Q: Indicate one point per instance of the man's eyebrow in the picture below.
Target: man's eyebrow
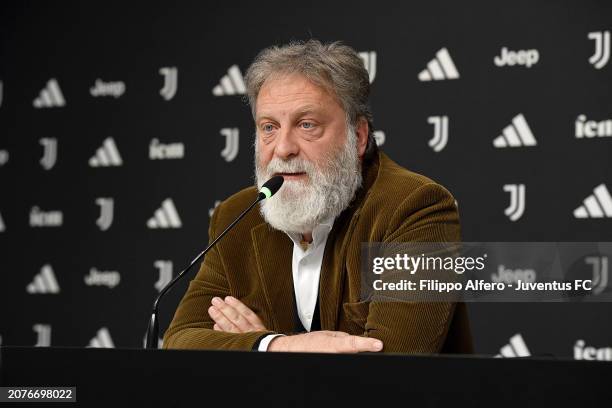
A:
(301, 111)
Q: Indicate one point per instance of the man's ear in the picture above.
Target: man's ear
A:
(363, 129)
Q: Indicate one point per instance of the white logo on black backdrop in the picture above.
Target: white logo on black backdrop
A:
(49, 157)
(102, 88)
(379, 137)
(512, 276)
(230, 84)
(369, 61)
(440, 137)
(170, 82)
(583, 352)
(510, 58)
(40, 218)
(165, 217)
(102, 278)
(440, 68)
(105, 219)
(230, 151)
(4, 157)
(212, 210)
(516, 134)
(516, 348)
(2, 226)
(165, 273)
(106, 155)
(50, 96)
(600, 272)
(162, 151)
(596, 205)
(43, 335)
(602, 48)
(592, 128)
(44, 282)
(517, 201)
(102, 339)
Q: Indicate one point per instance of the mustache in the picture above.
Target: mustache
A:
(296, 165)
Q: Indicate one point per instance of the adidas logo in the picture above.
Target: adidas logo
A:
(44, 282)
(102, 339)
(230, 84)
(516, 134)
(50, 96)
(597, 205)
(369, 61)
(106, 155)
(516, 348)
(440, 68)
(2, 226)
(165, 217)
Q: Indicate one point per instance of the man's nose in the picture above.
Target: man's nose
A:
(286, 145)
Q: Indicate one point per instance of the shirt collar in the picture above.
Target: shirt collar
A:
(319, 234)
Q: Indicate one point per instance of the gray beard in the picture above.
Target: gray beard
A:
(299, 206)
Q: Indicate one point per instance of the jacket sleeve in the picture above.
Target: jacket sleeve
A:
(192, 327)
(428, 214)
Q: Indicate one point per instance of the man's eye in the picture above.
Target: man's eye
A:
(267, 128)
(307, 125)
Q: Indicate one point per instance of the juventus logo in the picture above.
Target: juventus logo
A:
(43, 335)
(49, 157)
(212, 210)
(600, 272)
(105, 219)
(165, 273)
(230, 151)
(517, 201)
(369, 61)
(602, 48)
(379, 137)
(170, 82)
(440, 138)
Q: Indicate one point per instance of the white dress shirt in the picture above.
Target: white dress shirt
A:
(306, 269)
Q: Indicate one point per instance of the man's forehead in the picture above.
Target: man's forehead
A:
(292, 94)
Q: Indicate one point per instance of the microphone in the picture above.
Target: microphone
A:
(269, 188)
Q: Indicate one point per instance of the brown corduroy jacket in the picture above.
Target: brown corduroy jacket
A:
(253, 263)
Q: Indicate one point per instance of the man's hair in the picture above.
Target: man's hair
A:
(333, 66)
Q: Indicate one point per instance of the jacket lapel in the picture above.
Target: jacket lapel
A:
(273, 254)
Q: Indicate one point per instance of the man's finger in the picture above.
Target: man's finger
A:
(358, 344)
(246, 312)
(232, 315)
(223, 322)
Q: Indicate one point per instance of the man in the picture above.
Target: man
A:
(287, 278)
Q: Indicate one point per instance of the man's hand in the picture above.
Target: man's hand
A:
(231, 315)
(325, 342)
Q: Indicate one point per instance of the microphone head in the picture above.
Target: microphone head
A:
(270, 187)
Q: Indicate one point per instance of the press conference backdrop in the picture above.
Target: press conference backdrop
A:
(122, 127)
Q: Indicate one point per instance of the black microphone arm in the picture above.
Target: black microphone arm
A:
(269, 188)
